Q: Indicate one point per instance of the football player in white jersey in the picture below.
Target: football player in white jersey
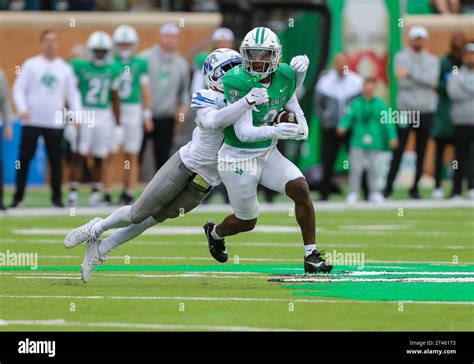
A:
(188, 176)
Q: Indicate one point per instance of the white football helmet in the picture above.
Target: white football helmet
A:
(261, 51)
(217, 63)
(125, 35)
(99, 44)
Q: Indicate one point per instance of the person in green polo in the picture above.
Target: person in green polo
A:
(372, 133)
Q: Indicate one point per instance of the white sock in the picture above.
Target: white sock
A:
(124, 234)
(117, 219)
(214, 234)
(308, 249)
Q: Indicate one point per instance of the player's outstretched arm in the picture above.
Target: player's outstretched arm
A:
(211, 118)
(300, 65)
(293, 105)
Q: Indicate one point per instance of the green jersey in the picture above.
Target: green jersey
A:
(95, 83)
(132, 75)
(237, 83)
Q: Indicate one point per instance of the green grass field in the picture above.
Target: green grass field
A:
(414, 272)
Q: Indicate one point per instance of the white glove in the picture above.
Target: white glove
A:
(300, 63)
(285, 131)
(256, 96)
(303, 130)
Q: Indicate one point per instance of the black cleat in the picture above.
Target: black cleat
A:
(216, 247)
(315, 263)
(414, 194)
(106, 200)
(57, 203)
(126, 199)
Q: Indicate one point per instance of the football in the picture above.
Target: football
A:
(285, 116)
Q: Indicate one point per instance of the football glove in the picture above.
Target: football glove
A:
(256, 96)
(300, 63)
(285, 131)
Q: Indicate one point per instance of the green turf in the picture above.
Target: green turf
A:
(171, 282)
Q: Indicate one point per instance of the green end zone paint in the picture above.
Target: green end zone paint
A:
(374, 282)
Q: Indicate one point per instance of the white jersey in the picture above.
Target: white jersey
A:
(42, 88)
(200, 154)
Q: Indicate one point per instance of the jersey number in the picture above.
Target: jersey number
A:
(98, 91)
(125, 87)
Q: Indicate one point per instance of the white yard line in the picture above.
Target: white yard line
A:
(140, 275)
(231, 299)
(407, 280)
(132, 325)
(264, 207)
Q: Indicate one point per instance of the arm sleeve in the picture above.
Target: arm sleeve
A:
(429, 77)
(300, 77)
(19, 88)
(212, 118)
(73, 94)
(246, 132)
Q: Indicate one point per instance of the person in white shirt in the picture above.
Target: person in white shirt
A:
(334, 92)
(40, 92)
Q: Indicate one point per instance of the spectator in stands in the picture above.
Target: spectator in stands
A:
(221, 38)
(40, 92)
(461, 92)
(417, 72)
(170, 75)
(443, 131)
(372, 133)
(5, 126)
(334, 91)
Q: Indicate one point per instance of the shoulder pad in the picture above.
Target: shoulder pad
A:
(237, 78)
(287, 71)
(206, 98)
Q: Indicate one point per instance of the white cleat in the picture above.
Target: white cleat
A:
(471, 193)
(95, 199)
(73, 200)
(352, 198)
(91, 260)
(376, 198)
(437, 194)
(456, 198)
(81, 234)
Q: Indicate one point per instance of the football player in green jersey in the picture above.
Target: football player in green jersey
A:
(98, 84)
(245, 161)
(135, 109)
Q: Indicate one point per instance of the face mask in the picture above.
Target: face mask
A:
(125, 54)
